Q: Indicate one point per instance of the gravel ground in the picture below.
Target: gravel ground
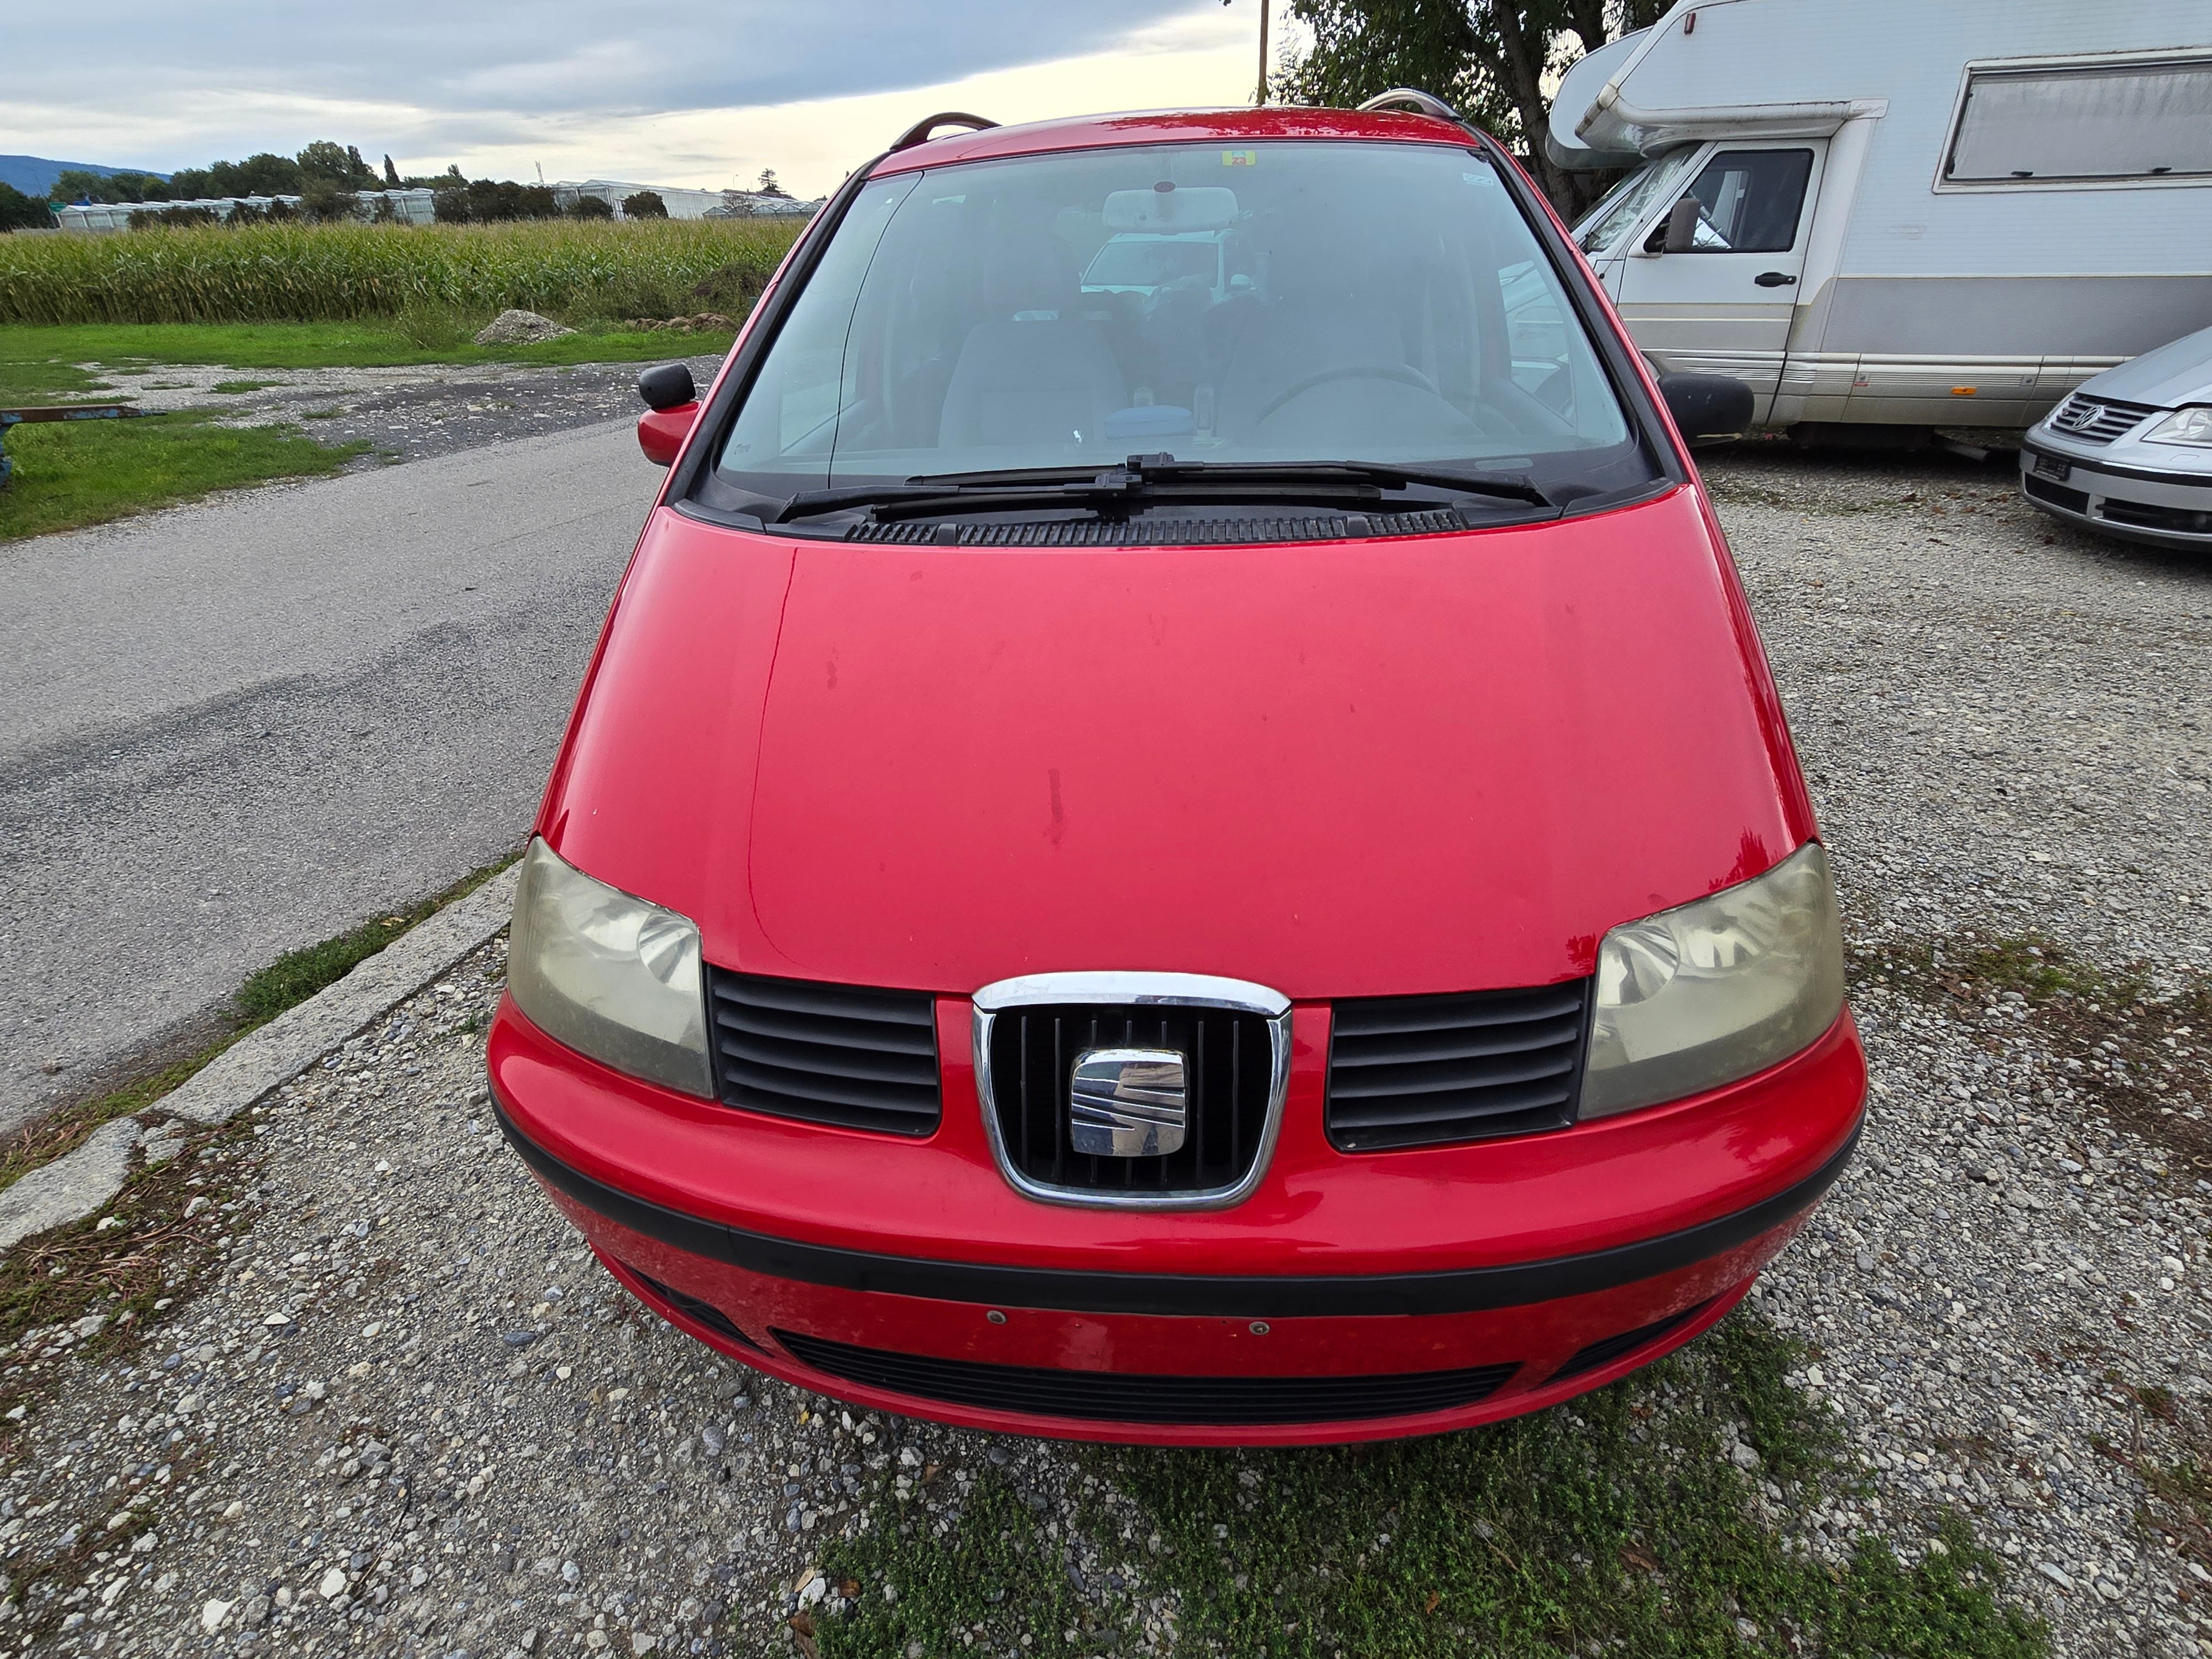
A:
(411, 411)
(399, 1408)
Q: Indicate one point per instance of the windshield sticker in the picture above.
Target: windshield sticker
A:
(1240, 158)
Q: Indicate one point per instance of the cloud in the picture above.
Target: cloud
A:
(694, 95)
(544, 57)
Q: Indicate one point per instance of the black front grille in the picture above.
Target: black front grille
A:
(829, 1053)
(1227, 1063)
(698, 1312)
(2148, 516)
(2074, 501)
(1156, 532)
(1605, 1349)
(2099, 420)
(1421, 1071)
(1134, 1397)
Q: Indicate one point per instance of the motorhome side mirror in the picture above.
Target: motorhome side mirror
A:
(1707, 405)
(666, 385)
(1682, 226)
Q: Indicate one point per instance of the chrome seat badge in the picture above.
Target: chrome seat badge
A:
(1127, 1103)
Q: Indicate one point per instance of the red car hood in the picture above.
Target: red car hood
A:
(1336, 768)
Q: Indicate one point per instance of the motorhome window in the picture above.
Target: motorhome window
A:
(1297, 301)
(1626, 203)
(1748, 202)
(2084, 124)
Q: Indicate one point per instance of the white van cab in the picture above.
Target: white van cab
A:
(1896, 213)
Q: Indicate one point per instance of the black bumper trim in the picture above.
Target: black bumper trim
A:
(2110, 469)
(1464, 1290)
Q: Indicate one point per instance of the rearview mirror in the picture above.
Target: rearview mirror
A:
(1707, 406)
(1166, 207)
(665, 386)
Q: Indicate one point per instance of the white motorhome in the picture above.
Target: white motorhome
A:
(1917, 212)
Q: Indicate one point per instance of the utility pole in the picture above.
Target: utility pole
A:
(1261, 95)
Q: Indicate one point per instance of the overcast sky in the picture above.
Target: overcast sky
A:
(700, 93)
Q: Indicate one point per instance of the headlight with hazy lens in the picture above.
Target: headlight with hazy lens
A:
(2192, 428)
(1712, 991)
(610, 976)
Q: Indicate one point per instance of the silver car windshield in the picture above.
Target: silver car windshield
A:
(1278, 302)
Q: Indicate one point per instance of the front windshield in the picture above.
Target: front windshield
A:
(1282, 301)
(1625, 204)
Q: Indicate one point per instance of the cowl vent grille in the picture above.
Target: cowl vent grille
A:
(841, 1054)
(1153, 532)
(1425, 1070)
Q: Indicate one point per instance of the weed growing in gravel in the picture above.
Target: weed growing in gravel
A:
(999, 1569)
(129, 1264)
(2141, 1053)
(1615, 1523)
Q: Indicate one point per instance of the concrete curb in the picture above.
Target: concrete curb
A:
(71, 1188)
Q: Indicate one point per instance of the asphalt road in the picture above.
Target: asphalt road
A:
(229, 730)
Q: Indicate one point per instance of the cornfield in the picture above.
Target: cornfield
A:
(310, 273)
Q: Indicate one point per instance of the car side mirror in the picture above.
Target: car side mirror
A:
(674, 403)
(1679, 234)
(667, 384)
(1707, 406)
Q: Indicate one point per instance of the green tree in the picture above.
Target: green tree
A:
(646, 205)
(262, 174)
(590, 207)
(390, 174)
(328, 201)
(82, 185)
(325, 160)
(1489, 58)
(767, 186)
(21, 212)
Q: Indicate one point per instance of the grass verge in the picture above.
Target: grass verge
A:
(1617, 1523)
(73, 473)
(291, 979)
(41, 364)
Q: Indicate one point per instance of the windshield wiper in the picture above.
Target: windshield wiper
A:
(1145, 481)
(1166, 469)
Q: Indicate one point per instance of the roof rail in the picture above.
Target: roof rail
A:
(920, 130)
(1413, 98)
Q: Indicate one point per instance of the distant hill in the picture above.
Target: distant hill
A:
(34, 175)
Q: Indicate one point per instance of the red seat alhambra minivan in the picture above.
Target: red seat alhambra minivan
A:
(1205, 860)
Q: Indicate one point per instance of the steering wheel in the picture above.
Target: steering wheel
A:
(1397, 371)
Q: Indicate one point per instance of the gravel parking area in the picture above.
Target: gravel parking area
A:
(371, 1392)
(415, 410)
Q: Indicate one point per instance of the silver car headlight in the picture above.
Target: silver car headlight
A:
(610, 976)
(2193, 426)
(1716, 989)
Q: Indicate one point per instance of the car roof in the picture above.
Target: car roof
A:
(1176, 126)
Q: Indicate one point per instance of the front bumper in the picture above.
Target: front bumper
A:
(1352, 1296)
(2160, 507)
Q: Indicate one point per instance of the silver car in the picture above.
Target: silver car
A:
(2129, 453)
